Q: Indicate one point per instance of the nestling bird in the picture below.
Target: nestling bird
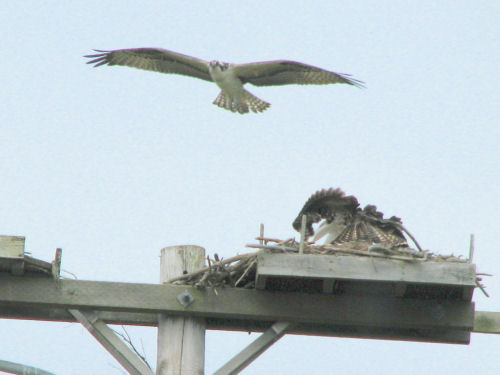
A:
(229, 77)
(345, 221)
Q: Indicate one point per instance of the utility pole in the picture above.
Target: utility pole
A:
(383, 297)
(181, 340)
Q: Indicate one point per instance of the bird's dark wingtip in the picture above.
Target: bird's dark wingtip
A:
(101, 53)
(98, 59)
(359, 84)
(356, 82)
(352, 81)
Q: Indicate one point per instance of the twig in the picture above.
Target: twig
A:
(71, 273)
(203, 278)
(371, 254)
(302, 233)
(209, 264)
(275, 240)
(128, 340)
(216, 264)
(337, 250)
(471, 248)
(246, 271)
(272, 247)
(481, 286)
(267, 239)
(411, 236)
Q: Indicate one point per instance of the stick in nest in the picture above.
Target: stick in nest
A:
(215, 265)
(246, 271)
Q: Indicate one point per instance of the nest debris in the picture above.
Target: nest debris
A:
(239, 271)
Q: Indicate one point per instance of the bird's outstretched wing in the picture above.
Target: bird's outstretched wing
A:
(285, 72)
(369, 225)
(328, 204)
(154, 59)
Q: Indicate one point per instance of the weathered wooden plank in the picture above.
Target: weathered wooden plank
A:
(241, 360)
(12, 254)
(245, 325)
(484, 321)
(487, 322)
(18, 368)
(364, 268)
(12, 247)
(233, 303)
(112, 343)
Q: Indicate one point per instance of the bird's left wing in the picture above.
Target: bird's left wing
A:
(285, 72)
(155, 59)
(326, 204)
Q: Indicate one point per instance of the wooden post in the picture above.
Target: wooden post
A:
(181, 341)
(302, 234)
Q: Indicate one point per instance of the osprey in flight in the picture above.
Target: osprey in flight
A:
(229, 77)
(345, 222)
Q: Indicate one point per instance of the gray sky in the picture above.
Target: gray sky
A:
(112, 164)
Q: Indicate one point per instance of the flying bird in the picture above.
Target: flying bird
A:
(344, 221)
(229, 77)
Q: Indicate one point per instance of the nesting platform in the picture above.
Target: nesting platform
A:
(438, 292)
(377, 293)
(357, 275)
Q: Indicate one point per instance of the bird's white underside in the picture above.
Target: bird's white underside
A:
(227, 81)
(330, 230)
(233, 96)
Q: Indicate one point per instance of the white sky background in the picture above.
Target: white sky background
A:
(112, 164)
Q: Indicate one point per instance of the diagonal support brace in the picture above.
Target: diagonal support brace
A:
(18, 368)
(252, 351)
(111, 342)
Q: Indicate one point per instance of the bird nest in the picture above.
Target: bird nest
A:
(239, 271)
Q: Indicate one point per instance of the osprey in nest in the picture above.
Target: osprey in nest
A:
(345, 222)
(229, 77)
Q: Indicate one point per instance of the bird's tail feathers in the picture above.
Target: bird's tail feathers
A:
(249, 101)
(256, 105)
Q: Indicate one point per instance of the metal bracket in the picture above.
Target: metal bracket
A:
(185, 298)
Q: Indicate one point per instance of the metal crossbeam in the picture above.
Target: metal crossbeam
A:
(255, 349)
(112, 343)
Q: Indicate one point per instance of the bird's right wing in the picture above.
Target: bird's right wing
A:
(154, 59)
(369, 225)
(286, 72)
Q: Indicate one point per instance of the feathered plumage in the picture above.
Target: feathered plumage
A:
(345, 221)
(229, 77)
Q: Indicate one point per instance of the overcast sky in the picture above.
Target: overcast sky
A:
(113, 163)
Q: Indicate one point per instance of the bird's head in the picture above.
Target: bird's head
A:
(310, 220)
(214, 64)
